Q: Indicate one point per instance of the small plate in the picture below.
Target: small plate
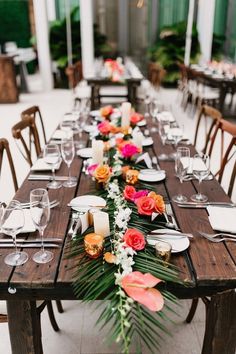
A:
(85, 153)
(142, 123)
(178, 244)
(86, 202)
(151, 177)
(89, 128)
(147, 141)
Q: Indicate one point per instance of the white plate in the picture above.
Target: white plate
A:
(178, 244)
(89, 128)
(41, 165)
(147, 141)
(95, 113)
(85, 153)
(151, 177)
(86, 202)
(142, 123)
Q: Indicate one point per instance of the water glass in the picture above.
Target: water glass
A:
(164, 129)
(201, 169)
(12, 222)
(40, 213)
(182, 162)
(68, 153)
(52, 157)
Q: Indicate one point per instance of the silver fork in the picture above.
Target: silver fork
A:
(217, 234)
(217, 240)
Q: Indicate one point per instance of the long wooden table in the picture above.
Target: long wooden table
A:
(207, 268)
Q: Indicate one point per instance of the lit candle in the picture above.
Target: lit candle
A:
(101, 223)
(125, 114)
(93, 245)
(97, 151)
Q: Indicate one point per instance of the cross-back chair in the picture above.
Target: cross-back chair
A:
(26, 136)
(204, 114)
(74, 74)
(5, 150)
(34, 112)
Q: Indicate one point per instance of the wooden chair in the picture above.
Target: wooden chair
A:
(156, 74)
(205, 113)
(221, 128)
(35, 113)
(74, 73)
(4, 149)
(26, 132)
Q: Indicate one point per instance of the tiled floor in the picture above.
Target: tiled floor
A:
(78, 331)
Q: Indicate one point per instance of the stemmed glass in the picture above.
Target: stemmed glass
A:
(40, 213)
(201, 169)
(177, 134)
(68, 153)
(79, 127)
(164, 129)
(67, 127)
(52, 157)
(12, 222)
(182, 161)
(154, 112)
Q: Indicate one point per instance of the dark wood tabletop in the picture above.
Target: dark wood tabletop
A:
(207, 268)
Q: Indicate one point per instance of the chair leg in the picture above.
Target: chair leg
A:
(59, 306)
(52, 317)
(192, 310)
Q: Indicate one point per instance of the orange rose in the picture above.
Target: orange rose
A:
(132, 176)
(106, 111)
(160, 204)
(146, 205)
(102, 173)
(134, 239)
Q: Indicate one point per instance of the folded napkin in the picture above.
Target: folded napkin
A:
(29, 225)
(200, 165)
(59, 135)
(146, 158)
(41, 165)
(222, 219)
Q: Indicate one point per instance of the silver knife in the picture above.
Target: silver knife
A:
(48, 178)
(29, 245)
(37, 240)
(204, 205)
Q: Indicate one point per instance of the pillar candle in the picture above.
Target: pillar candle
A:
(138, 139)
(101, 223)
(97, 151)
(125, 114)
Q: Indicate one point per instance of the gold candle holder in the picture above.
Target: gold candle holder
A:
(93, 245)
(163, 250)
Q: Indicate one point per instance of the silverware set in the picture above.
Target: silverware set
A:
(218, 237)
(53, 204)
(50, 242)
(206, 204)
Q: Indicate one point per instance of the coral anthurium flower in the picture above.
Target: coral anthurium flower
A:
(134, 239)
(102, 173)
(159, 202)
(146, 205)
(140, 287)
(129, 193)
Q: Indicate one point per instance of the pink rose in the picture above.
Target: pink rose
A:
(129, 150)
(139, 194)
(129, 192)
(134, 239)
(104, 127)
(92, 168)
(146, 205)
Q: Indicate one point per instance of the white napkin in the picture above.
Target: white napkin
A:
(41, 165)
(59, 134)
(222, 219)
(28, 226)
(200, 165)
(146, 158)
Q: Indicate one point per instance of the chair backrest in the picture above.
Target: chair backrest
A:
(155, 74)
(26, 132)
(228, 157)
(34, 112)
(74, 73)
(204, 113)
(5, 150)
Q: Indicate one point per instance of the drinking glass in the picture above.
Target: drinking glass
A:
(68, 153)
(164, 129)
(52, 157)
(79, 127)
(40, 213)
(154, 112)
(12, 222)
(182, 161)
(67, 127)
(177, 134)
(201, 169)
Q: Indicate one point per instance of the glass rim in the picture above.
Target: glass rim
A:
(37, 191)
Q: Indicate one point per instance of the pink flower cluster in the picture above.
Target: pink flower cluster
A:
(129, 150)
(104, 127)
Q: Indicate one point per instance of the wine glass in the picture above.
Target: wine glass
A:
(164, 129)
(201, 169)
(177, 134)
(67, 127)
(68, 153)
(52, 157)
(12, 222)
(154, 112)
(79, 127)
(182, 161)
(40, 213)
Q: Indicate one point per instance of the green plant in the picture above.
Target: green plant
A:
(170, 48)
(58, 44)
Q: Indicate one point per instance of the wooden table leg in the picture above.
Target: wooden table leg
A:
(220, 331)
(24, 327)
